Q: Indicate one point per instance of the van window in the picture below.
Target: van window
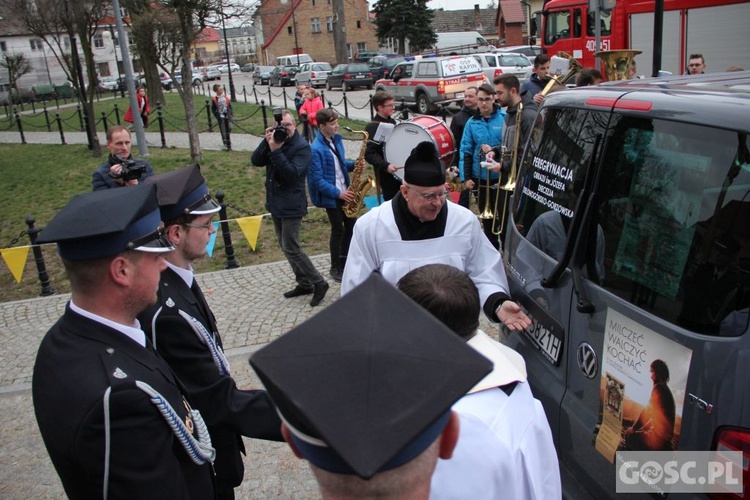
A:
(675, 209)
(672, 217)
(427, 69)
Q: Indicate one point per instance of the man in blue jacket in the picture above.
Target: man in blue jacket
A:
(328, 181)
(286, 165)
(482, 133)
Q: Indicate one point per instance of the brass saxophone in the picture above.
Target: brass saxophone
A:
(360, 184)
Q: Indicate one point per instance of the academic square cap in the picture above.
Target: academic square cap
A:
(367, 384)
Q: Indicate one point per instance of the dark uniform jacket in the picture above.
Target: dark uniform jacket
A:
(286, 170)
(458, 122)
(78, 360)
(375, 156)
(228, 412)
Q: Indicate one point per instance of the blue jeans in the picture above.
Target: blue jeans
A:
(287, 232)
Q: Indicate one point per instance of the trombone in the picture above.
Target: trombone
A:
(510, 184)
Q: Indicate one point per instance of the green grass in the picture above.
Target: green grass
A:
(38, 180)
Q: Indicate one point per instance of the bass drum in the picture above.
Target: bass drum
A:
(406, 135)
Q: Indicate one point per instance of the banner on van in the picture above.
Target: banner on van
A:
(643, 382)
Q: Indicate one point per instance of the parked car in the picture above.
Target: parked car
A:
(282, 76)
(365, 55)
(381, 66)
(261, 74)
(197, 78)
(212, 72)
(530, 51)
(313, 74)
(223, 67)
(17, 96)
(350, 76)
(109, 83)
(247, 68)
(630, 196)
(432, 81)
(499, 63)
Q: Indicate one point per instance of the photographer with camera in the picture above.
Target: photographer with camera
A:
(121, 169)
(286, 156)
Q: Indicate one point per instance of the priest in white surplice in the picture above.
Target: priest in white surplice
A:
(417, 227)
(505, 448)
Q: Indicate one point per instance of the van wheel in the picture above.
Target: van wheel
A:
(424, 106)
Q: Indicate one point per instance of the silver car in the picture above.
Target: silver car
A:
(313, 74)
(501, 63)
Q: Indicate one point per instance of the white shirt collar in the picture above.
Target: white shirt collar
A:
(133, 331)
(187, 275)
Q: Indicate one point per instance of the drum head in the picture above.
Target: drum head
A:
(404, 137)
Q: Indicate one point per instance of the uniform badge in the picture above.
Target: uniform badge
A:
(188, 417)
(118, 373)
(170, 302)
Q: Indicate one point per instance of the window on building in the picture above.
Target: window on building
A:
(329, 23)
(98, 41)
(361, 47)
(359, 24)
(349, 50)
(288, 30)
(315, 25)
(103, 69)
(313, 3)
(66, 42)
(3, 47)
(36, 44)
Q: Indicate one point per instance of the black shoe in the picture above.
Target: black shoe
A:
(319, 293)
(298, 290)
(336, 274)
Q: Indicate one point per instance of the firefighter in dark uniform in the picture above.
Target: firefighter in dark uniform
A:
(183, 329)
(112, 414)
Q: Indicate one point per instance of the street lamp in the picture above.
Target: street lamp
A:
(232, 94)
(117, 63)
(294, 28)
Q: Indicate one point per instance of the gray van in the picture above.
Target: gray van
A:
(628, 242)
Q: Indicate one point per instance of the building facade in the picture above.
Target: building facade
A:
(311, 23)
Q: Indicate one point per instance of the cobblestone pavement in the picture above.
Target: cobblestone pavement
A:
(250, 310)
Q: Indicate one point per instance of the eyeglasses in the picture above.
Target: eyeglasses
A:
(287, 124)
(485, 99)
(694, 65)
(430, 196)
(206, 226)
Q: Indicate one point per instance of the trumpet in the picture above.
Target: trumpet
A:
(574, 67)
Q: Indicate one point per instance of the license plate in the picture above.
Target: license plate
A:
(547, 342)
(459, 95)
(360, 76)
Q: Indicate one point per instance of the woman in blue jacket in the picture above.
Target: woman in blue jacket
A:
(482, 132)
(328, 183)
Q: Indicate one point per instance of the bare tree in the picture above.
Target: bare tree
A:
(63, 25)
(17, 65)
(144, 26)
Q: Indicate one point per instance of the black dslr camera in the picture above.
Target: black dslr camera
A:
(131, 170)
(280, 133)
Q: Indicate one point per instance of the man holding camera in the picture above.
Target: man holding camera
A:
(286, 155)
(120, 170)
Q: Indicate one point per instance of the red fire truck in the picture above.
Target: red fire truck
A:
(717, 29)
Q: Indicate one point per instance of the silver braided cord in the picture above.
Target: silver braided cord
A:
(216, 352)
(199, 449)
(107, 443)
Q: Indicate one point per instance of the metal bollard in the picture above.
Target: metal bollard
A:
(160, 120)
(46, 119)
(20, 128)
(60, 128)
(283, 92)
(117, 113)
(208, 114)
(39, 258)
(255, 94)
(104, 121)
(228, 248)
(244, 93)
(263, 112)
(346, 107)
(372, 109)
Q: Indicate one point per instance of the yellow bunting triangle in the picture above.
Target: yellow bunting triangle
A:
(251, 227)
(15, 259)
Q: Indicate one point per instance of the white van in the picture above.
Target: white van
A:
(461, 42)
(293, 60)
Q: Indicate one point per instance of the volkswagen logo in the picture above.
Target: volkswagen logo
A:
(587, 361)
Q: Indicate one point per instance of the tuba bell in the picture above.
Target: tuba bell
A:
(617, 63)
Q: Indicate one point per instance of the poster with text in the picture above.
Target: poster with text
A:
(644, 377)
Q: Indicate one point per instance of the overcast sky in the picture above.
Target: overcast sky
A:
(452, 4)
